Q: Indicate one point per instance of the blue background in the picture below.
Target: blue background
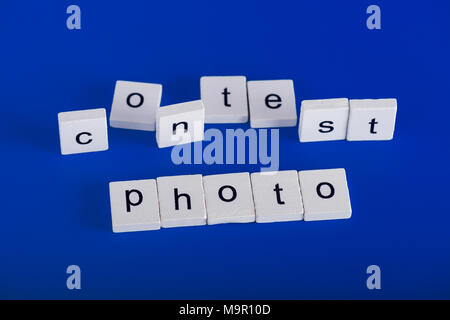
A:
(55, 209)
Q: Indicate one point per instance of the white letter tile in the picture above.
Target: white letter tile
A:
(272, 103)
(181, 201)
(371, 119)
(225, 99)
(323, 120)
(180, 123)
(134, 105)
(325, 194)
(229, 198)
(83, 131)
(134, 205)
(277, 196)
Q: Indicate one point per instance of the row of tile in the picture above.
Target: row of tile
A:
(192, 200)
(271, 103)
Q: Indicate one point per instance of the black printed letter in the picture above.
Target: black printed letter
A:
(276, 97)
(278, 190)
(141, 100)
(319, 192)
(177, 196)
(233, 190)
(175, 125)
(128, 200)
(79, 136)
(372, 126)
(225, 97)
(324, 125)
